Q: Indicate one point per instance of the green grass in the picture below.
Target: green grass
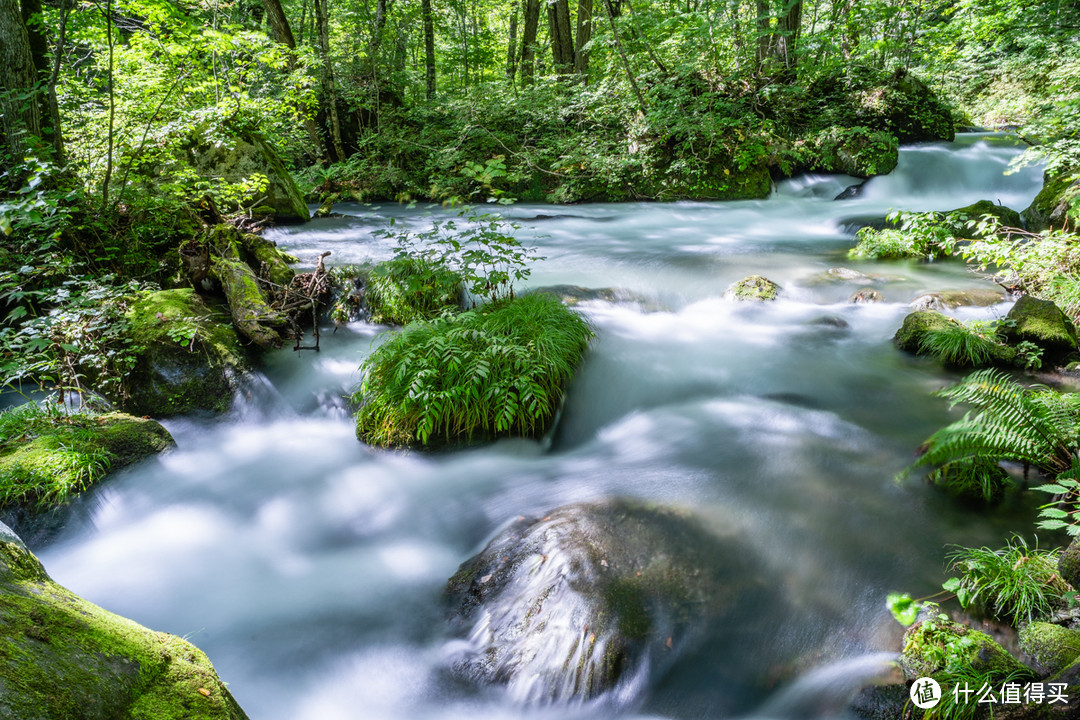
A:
(500, 370)
(961, 345)
(47, 457)
(1015, 584)
(406, 289)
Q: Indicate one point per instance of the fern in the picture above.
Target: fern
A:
(1034, 425)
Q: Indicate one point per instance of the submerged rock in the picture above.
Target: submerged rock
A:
(952, 299)
(754, 288)
(565, 607)
(1040, 322)
(573, 295)
(63, 657)
(866, 296)
(190, 359)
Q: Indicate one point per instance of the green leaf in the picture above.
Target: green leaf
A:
(903, 608)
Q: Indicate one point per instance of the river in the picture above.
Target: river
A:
(310, 567)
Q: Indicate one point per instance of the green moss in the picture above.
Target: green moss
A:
(1006, 216)
(54, 457)
(62, 657)
(1052, 647)
(754, 288)
(1069, 563)
(1057, 205)
(190, 358)
(858, 151)
(911, 334)
(267, 260)
(937, 644)
(1040, 322)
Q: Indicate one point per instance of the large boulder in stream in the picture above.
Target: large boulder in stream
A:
(63, 657)
(1057, 205)
(565, 607)
(239, 155)
(190, 357)
(909, 337)
(1043, 323)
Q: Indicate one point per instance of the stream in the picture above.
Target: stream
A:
(310, 567)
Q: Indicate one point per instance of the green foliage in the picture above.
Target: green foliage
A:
(496, 371)
(1010, 422)
(961, 345)
(978, 480)
(903, 608)
(1064, 512)
(410, 288)
(1015, 584)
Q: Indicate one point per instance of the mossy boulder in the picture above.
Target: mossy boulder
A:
(63, 657)
(858, 151)
(190, 357)
(929, 645)
(1069, 563)
(1057, 205)
(560, 608)
(1040, 322)
(1051, 647)
(754, 288)
(1004, 215)
(237, 155)
(916, 325)
(47, 459)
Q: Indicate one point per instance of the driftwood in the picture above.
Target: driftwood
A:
(307, 291)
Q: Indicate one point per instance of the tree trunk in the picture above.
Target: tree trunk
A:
(528, 40)
(18, 117)
(280, 25)
(764, 35)
(329, 90)
(584, 34)
(429, 47)
(787, 35)
(39, 51)
(562, 41)
(511, 48)
(611, 12)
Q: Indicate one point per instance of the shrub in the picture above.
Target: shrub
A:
(1015, 584)
(500, 370)
(407, 288)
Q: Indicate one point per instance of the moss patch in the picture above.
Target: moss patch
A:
(1057, 205)
(933, 644)
(1040, 322)
(191, 357)
(62, 657)
(909, 337)
(46, 459)
(1052, 647)
(754, 288)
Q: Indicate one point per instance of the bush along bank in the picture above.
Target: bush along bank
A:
(499, 369)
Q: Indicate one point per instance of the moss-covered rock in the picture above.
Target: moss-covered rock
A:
(560, 608)
(860, 152)
(1057, 205)
(190, 357)
(1004, 215)
(754, 288)
(241, 154)
(910, 336)
(63, 657)
(935, 642)
(46, 459)
(1040, 322)
(1069, 563)
(1051, 647)
(266, 260)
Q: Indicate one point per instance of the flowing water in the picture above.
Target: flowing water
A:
(310, 567)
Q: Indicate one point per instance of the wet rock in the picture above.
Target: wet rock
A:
(1040, 322)
(928, 645)
(63, 657)
(910, 335)
(565, 607)
(830, 321)
(880, 702)
(866, 296)
(572, 295)
(754, 288)
(952, 299)
(1052, 648)
(191, 358)
(850, 192)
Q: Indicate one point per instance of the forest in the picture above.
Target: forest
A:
(522, 359)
